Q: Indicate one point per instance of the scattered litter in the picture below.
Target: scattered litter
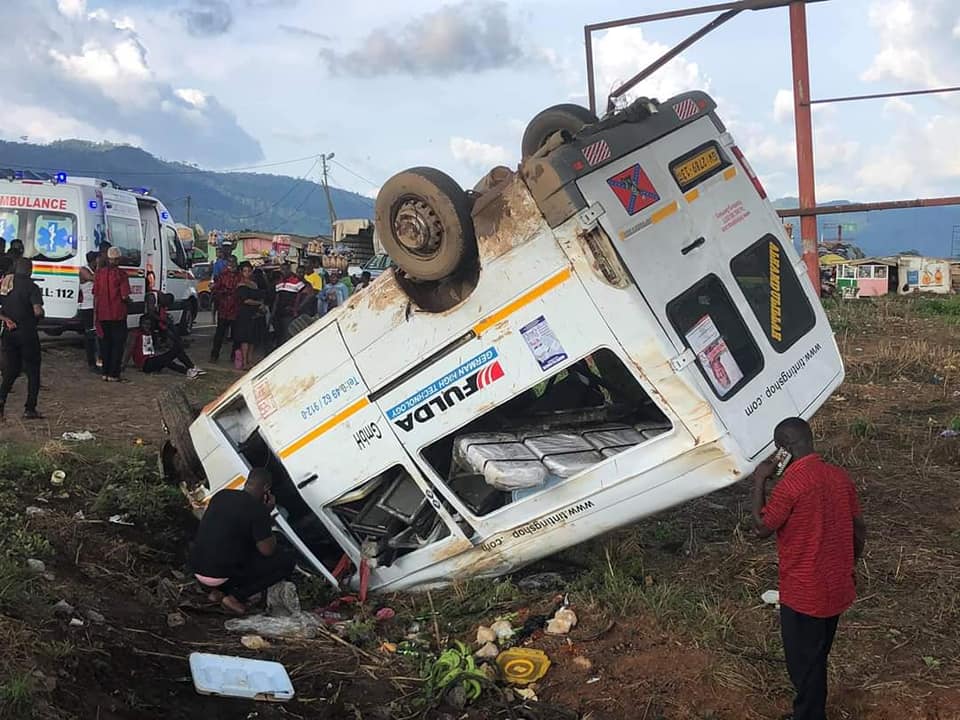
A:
(63, 608)
(456, 668)
(254, 642)
(485, 635)
(531, 625)
(488, 651)
(303, 625)
(388, 647)
(36, 566)
(582, 663)
(175, 620)
(502, 629)
(78, 515)
(593, 680)
(384, 614)
(120, 520)
(541, 581)
(138, 441)
(282, 600)
(526, 694)
(522, 666)
(562, 622)
(81, 436)
(95, 617)
(76, 622)
(240, 677)
(771, 597)
(948, 433)
(57, 478)
(34, 510)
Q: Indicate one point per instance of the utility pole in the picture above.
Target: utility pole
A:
(326, 189)
(189, 201)
(804, 128)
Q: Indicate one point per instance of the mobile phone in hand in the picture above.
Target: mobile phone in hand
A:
(783, 459)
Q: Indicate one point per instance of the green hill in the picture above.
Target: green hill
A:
(219, 200)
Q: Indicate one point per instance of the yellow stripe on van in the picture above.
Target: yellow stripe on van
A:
(522, 301)
(664, 212)
(692, 195)
(730, 173)
(238, 481)
(324, 426)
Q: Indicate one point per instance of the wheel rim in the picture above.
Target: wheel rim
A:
(417, 228)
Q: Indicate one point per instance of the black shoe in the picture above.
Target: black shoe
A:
(1, 412)
(32, 415)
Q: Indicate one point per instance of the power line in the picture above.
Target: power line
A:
(356, 175)
(285, 195)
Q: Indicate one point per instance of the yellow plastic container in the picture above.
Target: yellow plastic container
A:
(522, 666)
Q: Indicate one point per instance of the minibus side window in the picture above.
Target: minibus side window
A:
(580, 416)
(710, 325)
(771, 287)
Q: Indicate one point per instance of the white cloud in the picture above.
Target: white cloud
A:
(477, 154)
(916, 47)
(195, 97)
(96, 67)
(783, 106)
(898, 106)
(42, 125)
(956, 29)
(72, 8)
(621, 52)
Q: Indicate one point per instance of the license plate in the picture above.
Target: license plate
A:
(689, 171)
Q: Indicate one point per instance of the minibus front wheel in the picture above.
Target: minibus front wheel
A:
(423, 216)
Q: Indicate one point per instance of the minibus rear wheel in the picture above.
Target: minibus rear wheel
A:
(567, 117)
(424, 219)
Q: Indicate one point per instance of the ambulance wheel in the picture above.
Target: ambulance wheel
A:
(176, 416)
(567, 117)
(424, 220)
(187, 318)
(300, 323)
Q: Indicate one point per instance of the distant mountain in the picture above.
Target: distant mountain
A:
(930, 231)
(222, 201)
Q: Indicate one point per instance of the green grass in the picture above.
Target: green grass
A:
(862, 428)
(947, 307)
(15, 583)
(16, 696)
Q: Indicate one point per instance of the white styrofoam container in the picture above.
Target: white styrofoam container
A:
(240, 677)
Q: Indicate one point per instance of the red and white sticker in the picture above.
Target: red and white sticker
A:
(597, 153)
(686, 109)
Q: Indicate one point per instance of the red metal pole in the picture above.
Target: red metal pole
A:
(804, 124)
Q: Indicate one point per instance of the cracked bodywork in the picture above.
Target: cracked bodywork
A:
(438, 445)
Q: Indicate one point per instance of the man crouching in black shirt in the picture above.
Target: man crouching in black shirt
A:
(235, 554)
(20, 311)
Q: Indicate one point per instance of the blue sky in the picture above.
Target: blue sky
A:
(229, 83)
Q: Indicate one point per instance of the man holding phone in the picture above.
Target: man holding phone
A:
(235, 554)
(820, 535)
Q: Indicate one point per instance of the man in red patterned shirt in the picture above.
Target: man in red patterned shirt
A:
(820, 535)
(228, 302)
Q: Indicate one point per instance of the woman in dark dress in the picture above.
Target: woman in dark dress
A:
(250, 306)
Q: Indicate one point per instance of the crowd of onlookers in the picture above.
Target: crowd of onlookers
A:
(255, 307)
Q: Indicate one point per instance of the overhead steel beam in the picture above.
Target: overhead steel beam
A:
(902, 93)
(867, 207)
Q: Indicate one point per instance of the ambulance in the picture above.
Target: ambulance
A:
(60, 219)
(612, 329)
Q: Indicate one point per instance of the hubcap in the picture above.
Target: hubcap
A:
(418, 228)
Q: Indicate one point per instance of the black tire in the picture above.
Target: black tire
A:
(176, 415)
(300, 323)
(567, 117)
(187, 317)
(424, 220)
(205, 302)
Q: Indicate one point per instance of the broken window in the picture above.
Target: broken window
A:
(571, 421)
(389, 516)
